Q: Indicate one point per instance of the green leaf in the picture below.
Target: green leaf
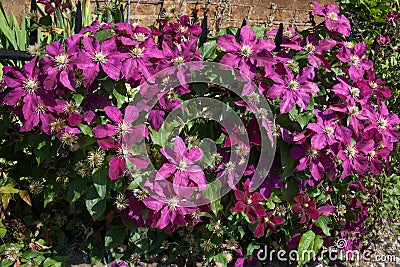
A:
(259, 30)
(57, 261)
(85, 129)
(208, 50)
(120, 98)
(76, 189)
(49, 194)
(114, 237)
(95, 204)
(100, 178)
(309, 246)
(103, 35)
(323, 222)
(8, 189)
(212, 192)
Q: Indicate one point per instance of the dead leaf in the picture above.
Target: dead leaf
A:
(25, 197)
(36, 246)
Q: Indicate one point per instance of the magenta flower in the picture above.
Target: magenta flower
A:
(345, 90)
(294, 90)
(317, 161)
(316, 50)
(378, 88)
(169, 208)
(95, 56)
(249, 203)
(118, 163)
(354, 156)
(246, 54)
(123, 125)
(268, 221)
(305, 207)
(182, 166)
(139, 59)
(385, 123)
(24, 83)
(334, 21)
(183, 30)
(51, 5)
(356, 58)
(59, 67)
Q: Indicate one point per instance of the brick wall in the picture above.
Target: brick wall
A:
(221, 13)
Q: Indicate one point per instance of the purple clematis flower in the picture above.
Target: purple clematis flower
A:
(354, 156)
(378, 87)
(345, 90)
(268, 221)
(305, 206)
(318, 162)
(118, 163)
(169, 208)
(316, 50)
(123, 125)
(334, 21)
(97, 55)
(385, 123)
(59, 67)
(182, 166)
(246, 54)
(51, 5)
(249, 203)
(294, 90)
(356, 58)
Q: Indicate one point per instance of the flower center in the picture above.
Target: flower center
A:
(230, 166)
(355, 91)
(173, 202)
(139, 37)
(350, 152)
(31, 86)
(349, 45)
(262, 112)
(183, 165)
(137, 52)
(171, 95)
(40, 109)
(328, 130)
(292, 85)
(99, 57)
(312, 153)
(123, 128)
(248, 201)
(266, 219)
(373, 85)
(382, 123)
(61, 61)
(182, 29)
(354, 59)
(178, 61)
(292, 65)
(246, 51)
(332, 16)
(353, 110)
(287, 33)
(254, 97)
(371, 154)
(305, 205)
(309, 48)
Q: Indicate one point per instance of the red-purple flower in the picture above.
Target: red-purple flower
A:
(305, 207)
(51, 5)
(334, 21)
(182, 166)
(59, 67)
(294, 90)
(356, 58)
(316, 50)
(246, 54)
(97, 55)
(268, 221)
(249, 203)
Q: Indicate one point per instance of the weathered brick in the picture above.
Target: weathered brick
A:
(240, 12)
(283, 15)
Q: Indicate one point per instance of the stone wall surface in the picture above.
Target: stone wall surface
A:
(221, 13)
